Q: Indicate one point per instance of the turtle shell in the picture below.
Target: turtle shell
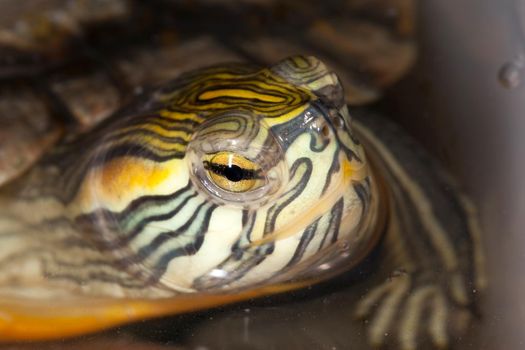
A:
(67, 65)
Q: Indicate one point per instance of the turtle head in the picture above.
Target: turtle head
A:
(228, 183)
(231, 176)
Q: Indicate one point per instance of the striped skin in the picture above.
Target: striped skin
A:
(127, 213)
(431, 259)
(135, 228)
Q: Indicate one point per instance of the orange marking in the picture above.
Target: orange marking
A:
(131, 173)
(118, 182)
(357, 171)
(28, 320)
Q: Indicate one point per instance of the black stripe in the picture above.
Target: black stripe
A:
(306, 238)
(137, 230)
(276, 209)
(162, 264)
(235, 269)
(442, 195)
(146, 200)
(333, 224)
(334, 169)
(163, 237)
(139, 151)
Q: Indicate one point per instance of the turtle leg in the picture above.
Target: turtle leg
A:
(409, 313)
(430, 255)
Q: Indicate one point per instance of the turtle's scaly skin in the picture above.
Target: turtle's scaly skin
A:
(133, 212)
(108, 206)
(138, 217)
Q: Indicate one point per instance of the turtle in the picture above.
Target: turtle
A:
(144, 174)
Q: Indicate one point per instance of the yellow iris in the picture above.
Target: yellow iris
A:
(233, 172)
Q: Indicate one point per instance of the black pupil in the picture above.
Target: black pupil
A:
(233, 173)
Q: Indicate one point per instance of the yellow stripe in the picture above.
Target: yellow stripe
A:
(180, 116)
(239, 93)
(222, 76)
(301, 62)
(269, 111)
(286, 117)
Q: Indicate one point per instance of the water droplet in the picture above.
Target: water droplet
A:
(510, 73)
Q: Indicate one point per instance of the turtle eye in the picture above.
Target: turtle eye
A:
(233, 172)
(235, 159)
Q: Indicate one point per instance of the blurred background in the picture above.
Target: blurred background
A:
(465, 101)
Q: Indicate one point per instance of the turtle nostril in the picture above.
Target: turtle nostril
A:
(338, 121)
(325, 131)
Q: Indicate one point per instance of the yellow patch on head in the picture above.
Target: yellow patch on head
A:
(131, 173)
(118, 182)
